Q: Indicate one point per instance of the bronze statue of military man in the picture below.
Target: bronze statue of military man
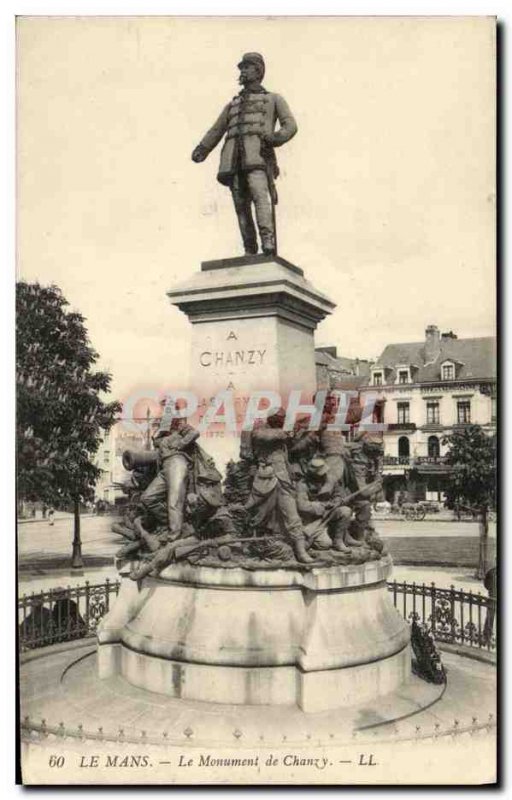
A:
(247, 163)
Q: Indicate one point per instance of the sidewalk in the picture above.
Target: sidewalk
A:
(57, 516)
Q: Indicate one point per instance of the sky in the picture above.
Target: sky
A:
(387, 193)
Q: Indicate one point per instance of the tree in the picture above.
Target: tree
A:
(61, 415)
(472, 480)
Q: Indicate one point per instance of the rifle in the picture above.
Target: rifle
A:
(317, 524)
(181, 551)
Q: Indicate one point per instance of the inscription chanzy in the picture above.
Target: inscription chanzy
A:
(231, 358)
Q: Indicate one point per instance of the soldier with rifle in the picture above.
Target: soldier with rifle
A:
(325, 516)
(326, 510)
(272, 505)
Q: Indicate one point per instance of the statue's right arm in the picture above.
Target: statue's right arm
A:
(189, 436)
(211, 139)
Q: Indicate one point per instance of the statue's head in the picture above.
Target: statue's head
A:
(252, 68)
(317, 470)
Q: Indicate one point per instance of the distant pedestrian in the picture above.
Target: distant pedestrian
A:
(51, 515)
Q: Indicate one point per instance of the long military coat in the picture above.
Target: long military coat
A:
(244, 120)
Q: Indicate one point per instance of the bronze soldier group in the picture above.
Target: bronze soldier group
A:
(307, 500)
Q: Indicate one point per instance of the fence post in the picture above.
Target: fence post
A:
(433, 608)
(452, 612)
(87, 603)
(462, 634)
(479, 638)
(51, 624)
(470, 628)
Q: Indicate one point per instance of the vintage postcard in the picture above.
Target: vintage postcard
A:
(256, 400)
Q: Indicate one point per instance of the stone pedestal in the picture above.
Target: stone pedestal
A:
(322, 639)
(253, 320)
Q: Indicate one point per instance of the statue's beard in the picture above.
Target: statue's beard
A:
(244, 80)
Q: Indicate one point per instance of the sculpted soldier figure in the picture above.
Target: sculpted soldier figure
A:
(365, 458)
(272, 503)
(303, 447)
(320, 503)
(334, 450)
(164, 499)
(206, 519)
(247, 163)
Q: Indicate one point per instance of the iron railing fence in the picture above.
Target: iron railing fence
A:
(452, 615)
(64, 614)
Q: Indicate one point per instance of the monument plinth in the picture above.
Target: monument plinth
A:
(253, 322)
(322, 639)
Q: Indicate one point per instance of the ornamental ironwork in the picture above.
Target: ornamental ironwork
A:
(451, 615)
(63, 614)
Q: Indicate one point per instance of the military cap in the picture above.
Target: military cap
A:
(253, 58)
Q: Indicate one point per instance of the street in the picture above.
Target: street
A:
(39, 539)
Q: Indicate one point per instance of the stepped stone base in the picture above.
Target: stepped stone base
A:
(322, 639)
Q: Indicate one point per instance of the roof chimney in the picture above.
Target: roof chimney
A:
(432, 343)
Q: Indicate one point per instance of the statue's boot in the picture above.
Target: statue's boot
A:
(300, 552)
(351, 542)
(268, 244)
(339, 542)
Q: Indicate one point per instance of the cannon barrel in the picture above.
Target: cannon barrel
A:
(137, 459)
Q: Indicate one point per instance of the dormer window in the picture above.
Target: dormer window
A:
(448, 371)
(403, 374)
(377, 378)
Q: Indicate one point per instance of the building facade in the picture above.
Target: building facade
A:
(424, 391)
(339, 373)
(109, 460)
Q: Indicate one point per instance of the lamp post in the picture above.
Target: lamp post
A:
(76, 558)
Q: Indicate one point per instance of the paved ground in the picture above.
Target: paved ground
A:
(432, 550)
(65, 687)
